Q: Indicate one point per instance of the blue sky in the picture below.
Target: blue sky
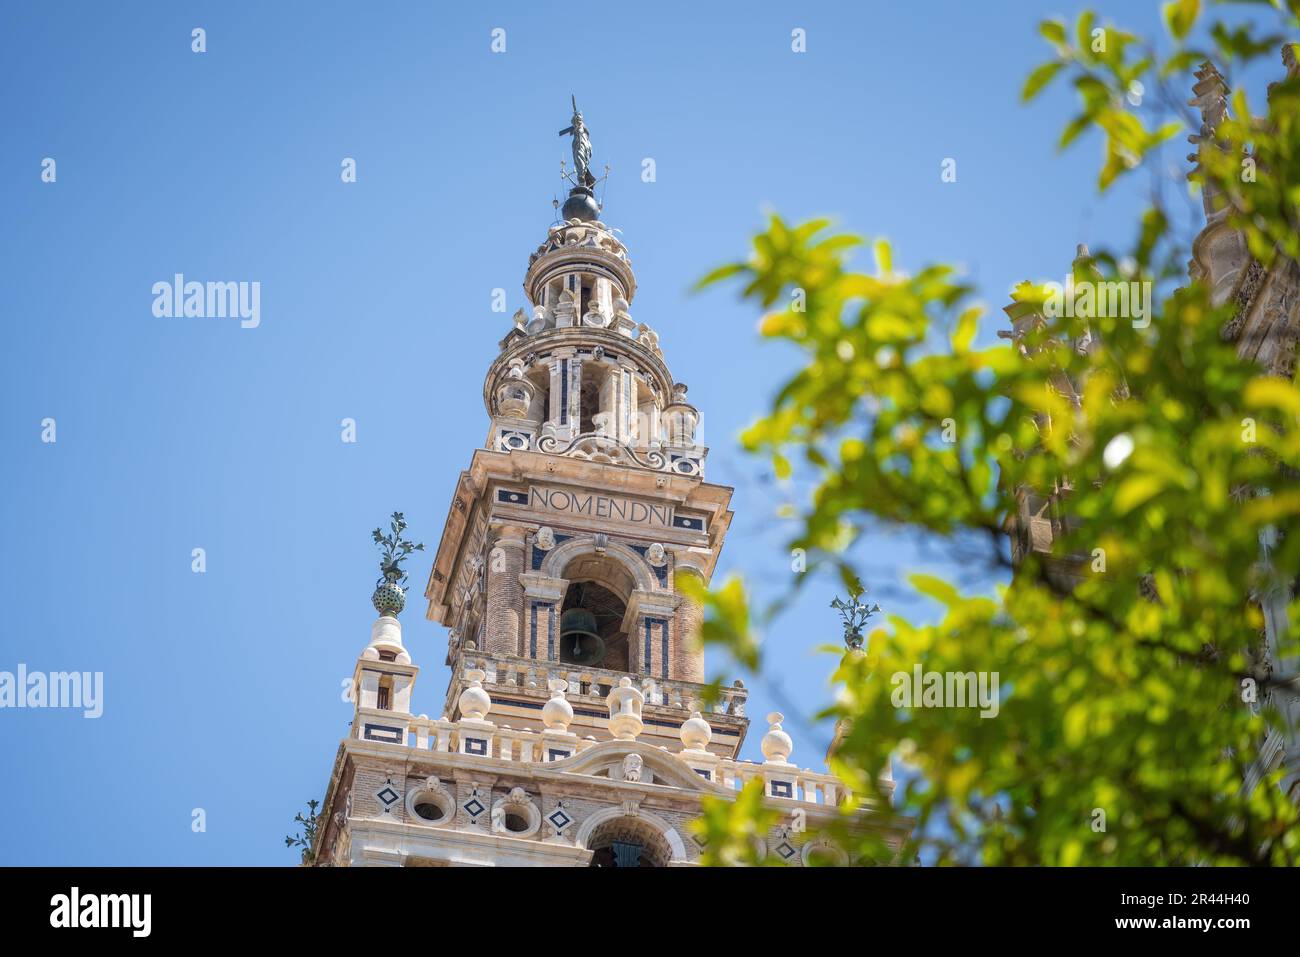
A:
(222, 690)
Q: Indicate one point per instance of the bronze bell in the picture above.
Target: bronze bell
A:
(579, 643)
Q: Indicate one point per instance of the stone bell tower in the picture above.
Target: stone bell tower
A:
(571, 532)
(576, 728)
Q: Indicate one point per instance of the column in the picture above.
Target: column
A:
(543, 598)
(688, 653)
(505, 593)
(648, 626)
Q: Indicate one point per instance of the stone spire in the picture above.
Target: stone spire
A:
(1211, 99)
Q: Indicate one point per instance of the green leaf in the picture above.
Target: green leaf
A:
(1053, 31)
(967, 325)
(1180, 16)
(1042, 75)
(1073, 129)
(719, 274)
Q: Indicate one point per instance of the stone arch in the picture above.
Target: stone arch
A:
(558, 560)
(662, 838)
(822, 846)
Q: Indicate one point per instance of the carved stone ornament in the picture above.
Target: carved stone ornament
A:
(632, 768)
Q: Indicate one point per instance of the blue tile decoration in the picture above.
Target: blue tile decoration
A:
(507, 497)
(474, 807)
(564, 391)
(556, 754)
(559, 819)
(511, 440)
(384, 733)
(387, 796)
(782, 789)
(685, 521)
(476, 746)
(785, 850)
(663, 643)
(704, 773)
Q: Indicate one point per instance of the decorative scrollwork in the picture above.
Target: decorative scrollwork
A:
(589, 443)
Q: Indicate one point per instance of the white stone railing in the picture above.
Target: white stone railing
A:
(595, 683)
(531, 747)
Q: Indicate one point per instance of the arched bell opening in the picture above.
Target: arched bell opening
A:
(540, 379)
(591, 627)
(601, 579)
(589, 408)
(628, 842)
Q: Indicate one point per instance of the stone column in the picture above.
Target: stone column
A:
(688, 653)
(575, 395)
(505, 593)
(553, 413)
(540, 628)
(648, 626)
(566, 390)
(624, 405)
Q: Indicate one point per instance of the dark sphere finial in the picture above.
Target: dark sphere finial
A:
(580, 205)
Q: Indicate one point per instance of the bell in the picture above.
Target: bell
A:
(579, 643)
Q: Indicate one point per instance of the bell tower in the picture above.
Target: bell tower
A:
(570, 534)
(577, 728)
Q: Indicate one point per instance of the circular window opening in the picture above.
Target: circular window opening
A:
(516, 823)
(823, 855)
(428, 811)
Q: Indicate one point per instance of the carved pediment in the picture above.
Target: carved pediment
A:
(608, 759)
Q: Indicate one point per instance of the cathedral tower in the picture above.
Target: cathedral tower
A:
(575, 728)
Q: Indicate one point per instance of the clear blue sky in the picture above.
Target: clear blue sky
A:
(223, 689)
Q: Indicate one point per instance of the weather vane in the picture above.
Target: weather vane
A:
(855, 613)
(390, 597)
(581, 146)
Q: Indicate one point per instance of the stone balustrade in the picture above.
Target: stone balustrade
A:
(531, 747)
(592, 683)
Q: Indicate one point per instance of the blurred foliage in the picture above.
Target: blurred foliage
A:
(1122, 736)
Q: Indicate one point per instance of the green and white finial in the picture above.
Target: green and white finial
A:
(390, 597)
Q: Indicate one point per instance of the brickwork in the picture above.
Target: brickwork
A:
(687, 652)
(505, 594)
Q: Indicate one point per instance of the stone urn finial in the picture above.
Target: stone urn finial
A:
(696, 732)
(776, 744)
(474, 700)
(557, 713)
(625, 703)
